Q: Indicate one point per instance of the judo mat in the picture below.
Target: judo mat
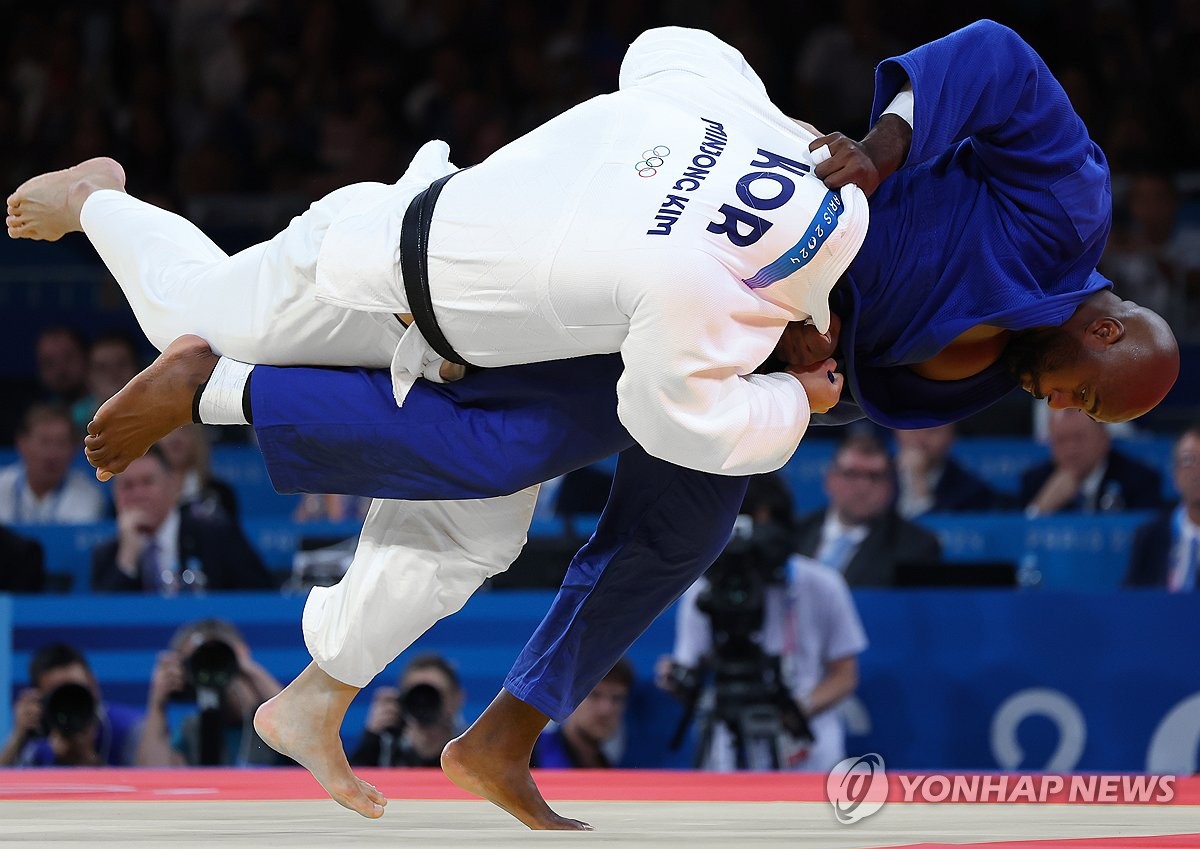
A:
(86, 808)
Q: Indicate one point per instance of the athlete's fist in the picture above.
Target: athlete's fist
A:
(801, 346)
(823, 385)
(869, 162)
(848, 162)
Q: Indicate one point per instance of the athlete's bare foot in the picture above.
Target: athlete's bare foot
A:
(491, 759)
(149, 407)
(302, 723)
(47, 207)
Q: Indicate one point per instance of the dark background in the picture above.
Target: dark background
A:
(238, 114)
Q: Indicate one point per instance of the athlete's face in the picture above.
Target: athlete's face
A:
(1053, 364)
(1113, 369)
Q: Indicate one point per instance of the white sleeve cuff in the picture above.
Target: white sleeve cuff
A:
(221, 400)
(902, 104)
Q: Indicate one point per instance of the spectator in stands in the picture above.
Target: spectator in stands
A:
(410, 724)
(836, 66)
(61, 354)
(1085, 474)
(582, 492)
(931, 481)
(860, 534)
(22, 564)
(327, 507)
(1166, 550)
(187, 450)
(809, 623)
(591, 736)
(160, 548)
(112, 362)
(1155, 255)
(61, 719)
(207, 663)
(42, 488)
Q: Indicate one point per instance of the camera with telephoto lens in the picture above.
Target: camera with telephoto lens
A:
(421, 704)
(210, 668)
(68, 709)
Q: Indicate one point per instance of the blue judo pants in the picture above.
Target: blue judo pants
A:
(493, 433)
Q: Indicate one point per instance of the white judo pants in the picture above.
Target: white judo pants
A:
(416, 561)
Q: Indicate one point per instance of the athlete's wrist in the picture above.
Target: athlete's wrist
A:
(887, 144)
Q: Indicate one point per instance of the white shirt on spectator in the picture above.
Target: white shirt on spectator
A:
(832, 552)
(75, 501)
(809, 623)
(167, 540)
(1180, 577)
(1089, 489)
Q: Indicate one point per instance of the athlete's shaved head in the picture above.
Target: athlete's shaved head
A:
(1113, 359)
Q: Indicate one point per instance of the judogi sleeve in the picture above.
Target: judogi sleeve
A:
(688, 395)
(668, 50)
(984, 85)
(491, 433)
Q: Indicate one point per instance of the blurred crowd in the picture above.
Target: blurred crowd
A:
(243, 110)
(211, 96)
(766, 644)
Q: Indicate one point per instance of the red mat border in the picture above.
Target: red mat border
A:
(272, 784)
(1158, 841)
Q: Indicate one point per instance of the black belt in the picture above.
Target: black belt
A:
(414, 268)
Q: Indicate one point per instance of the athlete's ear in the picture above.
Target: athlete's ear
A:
(1103, 332)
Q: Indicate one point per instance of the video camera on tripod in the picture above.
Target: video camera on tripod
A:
(750, 697)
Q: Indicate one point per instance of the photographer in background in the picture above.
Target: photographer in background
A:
(410, 724)
(809, 633)
(209, 665)
(62, 719)
(593, 736)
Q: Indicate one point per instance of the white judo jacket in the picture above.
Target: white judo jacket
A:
(676, 221)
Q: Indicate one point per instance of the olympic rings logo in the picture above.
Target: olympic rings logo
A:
(652, 160)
